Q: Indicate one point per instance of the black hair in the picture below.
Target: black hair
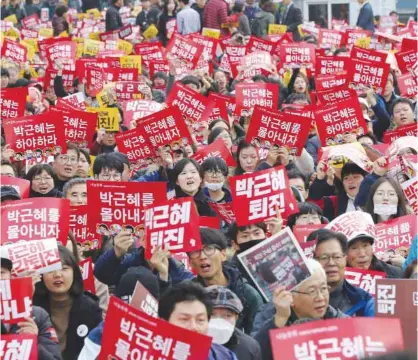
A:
(377, 17)
(242, 145)
(340, 50)
(77, 287)
(304, 208)
(185, 2)
(179, 167)
(234, 229)
(191, 79)
(86, 155)
(211, 236)
(120, 156)
(185, 291)
(293, 97)
(71, 238)
(393, 12)
(402, 209)
(165, 11)
(399, 355)
(4, 72)
(402, 100)
(38, 169)
(105, 161)
(310, 39)
(322, 235)
(160, 74)
(215, 133)
(215, 164)
(351, 168)
(8, 163)
(260, 78)
(296, 174)
(71, 146)
(217, 121)
(238, 8)
(61, 10)
(369, 135)
(29, 107)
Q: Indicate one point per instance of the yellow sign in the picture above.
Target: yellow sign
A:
(12, 32)
(79, 51)
(107, 118)
(94, 12)
(12, 19)
(78, 40)
(32, 42)
(31, 51)
(212, 33)
(300, 30)
(91, 47)
(151, 32)
(32, 71)
(363, 42)
(131, 62)
(63, 34)
(125, 46)
(103, 98)
(275, 29)
(46, 33)
(92, 160)
(82, 16)
(94, 36)
(136, 11)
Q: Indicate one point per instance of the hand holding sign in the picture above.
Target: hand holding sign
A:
(159, 261)
(380, 166)
(282, 300)
(274, 224)
(123, 242)
(28, 327)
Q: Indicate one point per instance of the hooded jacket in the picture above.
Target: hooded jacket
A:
(85, 315)
(263, 337)
(250, 298)
(48, 347)
(263, 19)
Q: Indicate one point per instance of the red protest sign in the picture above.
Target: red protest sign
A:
(137, 109)
(330, 38)
(121, 204)
(406, 60)
(129, 90)
(41, 256)
(407, 130)
(210, 222)
(144, 301)
(96, 79)
(410, 189)
(249, 95)
(351, 36)
(86, 268)
(68, 77)
(216, 149)
(394, 236)
(257, 44)
(327, 82)
(343, 339)
(270, 263)
(186, 50)
(135, 144)
(209, 45)
(78, 226)
(15, 300)
(364, 279)
(365, 73)
(29, 34)
(144, 335)
(121, 74)
(397, 298)
(408, 86)
(31, 21)
(344, 117)
(327, 65)
(172, 226)
(35, 219)
(308, 249)
(150, 52)
(257, 196)
(219, 109)
(193, 106)
(13, 51)
(296, 55)
(19, 346)
(158, 66)
(228, 101)
(22, 186)
(268, 128)
(368, 55)
(225, 211)
(334, 155)
(43, 44)
(60, 50)
(13, 102)
(234, 54)
(301, 232)
(334, 95)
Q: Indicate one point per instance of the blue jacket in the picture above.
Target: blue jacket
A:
(382, 121)
(364, 190)
(412, 255)
(109, 269)
(362, 300)
(250, 11)
(365, 18)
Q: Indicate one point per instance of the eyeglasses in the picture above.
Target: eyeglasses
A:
(39, 179)
(325, 259)
(66, 159)
(314, 293)
(214, 173)
(115, 176)
(208, 250)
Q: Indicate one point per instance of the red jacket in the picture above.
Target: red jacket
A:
(215, 14)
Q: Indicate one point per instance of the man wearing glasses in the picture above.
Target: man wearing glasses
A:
(108, 167)
(330, 251)
(208, 263)
(308, 300)
(65, 165)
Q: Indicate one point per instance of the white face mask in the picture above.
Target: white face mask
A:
(214, 186)
(385, 210)
(220, 330)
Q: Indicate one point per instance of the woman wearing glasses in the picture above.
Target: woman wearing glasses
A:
(42, 179)
(309, 300)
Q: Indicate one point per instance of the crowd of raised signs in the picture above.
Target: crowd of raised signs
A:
(213, 180)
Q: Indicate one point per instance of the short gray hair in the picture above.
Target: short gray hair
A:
(70, 183)
(314, 267)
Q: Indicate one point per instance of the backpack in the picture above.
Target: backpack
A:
(256, 27)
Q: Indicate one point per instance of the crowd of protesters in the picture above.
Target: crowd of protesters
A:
(213, 295)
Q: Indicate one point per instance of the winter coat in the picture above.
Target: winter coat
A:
(226, 199)
(264, 19)
(215, 14)
(391, 271)
(219, 352)
(113, 18)
(162, 29)
(363, 302)
(250, 298)
(201, 201)
(365, 18)
(263, 336)
(85, 315)
(48, 346)
(244, 346)
(109, 269)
